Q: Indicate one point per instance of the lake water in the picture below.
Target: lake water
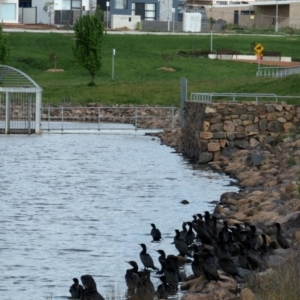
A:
(74, 204)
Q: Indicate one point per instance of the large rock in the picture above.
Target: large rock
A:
(229, 126)
(206, 135)
(247, 294)
(213, 146)
(275, 126)
(205, 157)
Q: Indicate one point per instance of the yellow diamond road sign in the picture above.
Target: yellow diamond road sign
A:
(259, 49)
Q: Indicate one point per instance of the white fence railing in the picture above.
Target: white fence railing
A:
(277, 71)
(234, 97)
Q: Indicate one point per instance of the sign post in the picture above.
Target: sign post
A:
(107, 6)
(113, 65)
(259, 53)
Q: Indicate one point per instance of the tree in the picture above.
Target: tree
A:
(4, 48)
(87, 50)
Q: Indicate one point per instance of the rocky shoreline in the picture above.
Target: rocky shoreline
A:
(269, 178)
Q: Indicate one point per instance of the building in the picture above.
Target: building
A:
(9, 11)
(259, 14)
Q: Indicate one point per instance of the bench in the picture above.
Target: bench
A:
(231, 52)
(272, 53)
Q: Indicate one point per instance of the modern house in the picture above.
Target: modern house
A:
(42, 11)
(148, 10)
(128, 13)
(259, 14)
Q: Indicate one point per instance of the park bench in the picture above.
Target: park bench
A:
(272, 53)
(231, 52)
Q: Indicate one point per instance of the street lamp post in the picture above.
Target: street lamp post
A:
(113, 64)
(107, 6)
(173, 16)
(276, 21)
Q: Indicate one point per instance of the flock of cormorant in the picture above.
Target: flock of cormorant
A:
(207, 244)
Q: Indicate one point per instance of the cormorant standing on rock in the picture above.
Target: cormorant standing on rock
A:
(90, 288)
(76, 289)
(190, 235)
(146, 258)
(202, 233)
(196, 265)
(155, 232)
(183, 231)
(209, 268)
(180, 244)
(161, 260)
(227, 264)
(162, 291)
(132, 277)
(280, 238)
(145, 289)
(171, 271)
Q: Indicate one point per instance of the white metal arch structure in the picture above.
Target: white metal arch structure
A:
(20, 102)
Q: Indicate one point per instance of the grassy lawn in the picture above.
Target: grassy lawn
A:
(136, 78)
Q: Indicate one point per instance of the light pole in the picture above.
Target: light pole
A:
(107, 6)
(113, 64)
(276, 22)
(173, 16)
(168, 15)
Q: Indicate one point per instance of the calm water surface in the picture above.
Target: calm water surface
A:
(80, 204)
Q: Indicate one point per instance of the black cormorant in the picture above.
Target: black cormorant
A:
(76, 289)
(161, 260)
(180, 244)
(145, 289)
(227, 264)
(155, 232)
(190, 235)
(162, 291)
(209, 268)
(90, 288)
(132, 277)
(196, 265)
(146, 258)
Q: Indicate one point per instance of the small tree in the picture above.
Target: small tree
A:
(4, 48)
(87, 50)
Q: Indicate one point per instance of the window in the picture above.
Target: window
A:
(8, 11)
(121, 4)
(25, 3)
(76, 4)
(66, 5)
(150, 11)
(247, 12)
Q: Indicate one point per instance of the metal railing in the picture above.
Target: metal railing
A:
(235, 97)
(209, 97)
(64, 117)
(277, 71)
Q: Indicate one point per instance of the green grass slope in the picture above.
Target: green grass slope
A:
(137, 79)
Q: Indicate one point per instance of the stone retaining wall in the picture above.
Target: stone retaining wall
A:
(215, 129)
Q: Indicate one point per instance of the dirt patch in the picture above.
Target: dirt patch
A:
(55, 70)
(31, 26)
(166, 69)
(123, 28)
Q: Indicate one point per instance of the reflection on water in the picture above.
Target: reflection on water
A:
(82, 204)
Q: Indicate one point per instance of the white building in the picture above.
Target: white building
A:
(40, 11)
(9, 11)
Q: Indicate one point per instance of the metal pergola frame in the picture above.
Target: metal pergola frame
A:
(14, 81)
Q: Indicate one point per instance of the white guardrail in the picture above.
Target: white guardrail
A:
(234, 97)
